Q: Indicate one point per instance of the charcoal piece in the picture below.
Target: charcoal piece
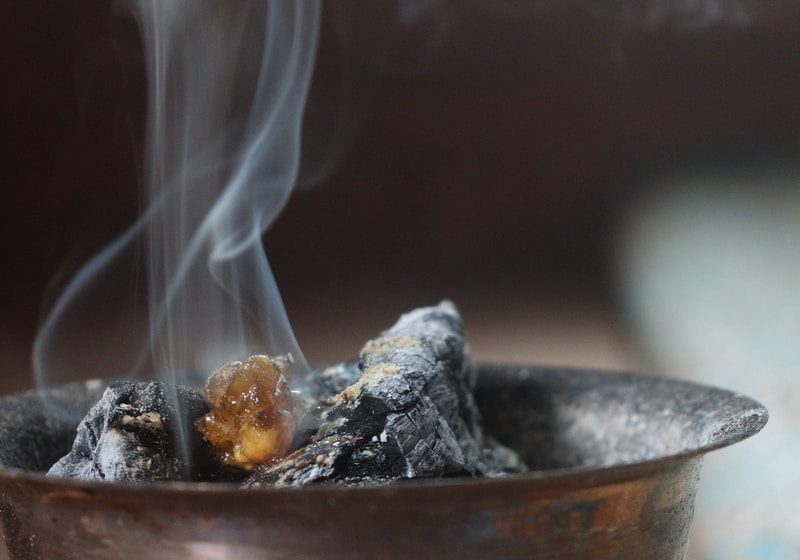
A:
(328, 382)
(499, 460)
(408, 412)
(132, 434)
(42, 423)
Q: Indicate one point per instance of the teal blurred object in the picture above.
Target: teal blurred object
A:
(709, 270)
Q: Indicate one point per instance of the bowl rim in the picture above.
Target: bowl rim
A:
(750, 421)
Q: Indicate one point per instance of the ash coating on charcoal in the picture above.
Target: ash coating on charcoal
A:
(405, 409)
(131, 435)
(37, 427)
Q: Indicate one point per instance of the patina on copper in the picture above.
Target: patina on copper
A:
(618, 455)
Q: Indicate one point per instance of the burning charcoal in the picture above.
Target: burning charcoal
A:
(253, 416)
(500, 460)
(410, 413)
(131, 434)
(330, 381)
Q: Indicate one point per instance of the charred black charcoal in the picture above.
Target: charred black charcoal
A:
(133, 434)
(500, 460)
(408, 411)
(324, 384)
(404, 409)
(41, 423)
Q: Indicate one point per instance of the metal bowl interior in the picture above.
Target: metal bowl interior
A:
(615, 459)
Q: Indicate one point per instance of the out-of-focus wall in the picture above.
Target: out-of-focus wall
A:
(480, 147)
(709, 268)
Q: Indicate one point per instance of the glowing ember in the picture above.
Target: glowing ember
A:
(253, 417)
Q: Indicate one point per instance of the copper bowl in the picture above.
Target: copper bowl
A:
(616, 461)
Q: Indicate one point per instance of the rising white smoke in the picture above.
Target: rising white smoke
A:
(228, 82)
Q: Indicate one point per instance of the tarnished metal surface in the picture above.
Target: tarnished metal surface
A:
(589, 509)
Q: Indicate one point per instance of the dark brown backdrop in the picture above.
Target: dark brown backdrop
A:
(481, 150)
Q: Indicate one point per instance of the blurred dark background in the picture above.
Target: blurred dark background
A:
(479, 151)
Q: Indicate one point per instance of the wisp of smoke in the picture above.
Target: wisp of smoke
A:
(228, 82)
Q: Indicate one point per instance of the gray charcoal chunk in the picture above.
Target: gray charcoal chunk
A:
(330, 381)
(499, 460)
(407, 410)
(41, 423)
(132, 434)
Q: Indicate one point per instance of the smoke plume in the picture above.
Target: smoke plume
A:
(228, 82)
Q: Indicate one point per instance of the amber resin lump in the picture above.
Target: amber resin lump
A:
(253, 417)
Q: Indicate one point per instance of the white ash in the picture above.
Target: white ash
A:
(404, 410)
(132, 434)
